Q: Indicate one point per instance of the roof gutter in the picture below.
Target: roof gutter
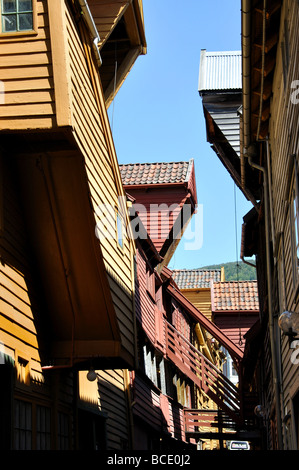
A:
(246, 10)
(245, 126)
(92, 28)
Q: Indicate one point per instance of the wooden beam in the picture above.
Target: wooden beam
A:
(270, 62)
(61, 71)
(271, 42)
(271, 9)
(266, 91)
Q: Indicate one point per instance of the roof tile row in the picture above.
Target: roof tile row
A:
(195, 278)
(155, 173)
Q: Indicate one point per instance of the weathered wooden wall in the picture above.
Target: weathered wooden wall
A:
(112, 388)
(160, 209)
(201, 298)
(284, 145)
(145, 304)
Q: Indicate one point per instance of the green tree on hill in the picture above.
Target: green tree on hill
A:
(236, 271)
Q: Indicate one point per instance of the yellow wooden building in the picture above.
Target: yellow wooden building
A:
(67, 279)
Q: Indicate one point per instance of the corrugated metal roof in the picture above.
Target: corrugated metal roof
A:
(220, 70)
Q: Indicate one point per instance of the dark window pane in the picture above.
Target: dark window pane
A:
(9, 23)
(25, 5)
(9, 6)
(25, 21)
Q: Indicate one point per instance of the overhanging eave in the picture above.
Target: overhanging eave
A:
(81, 321)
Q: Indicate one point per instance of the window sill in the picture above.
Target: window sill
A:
(16, 34)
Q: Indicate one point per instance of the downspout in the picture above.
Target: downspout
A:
(246, 9)
(270, 305)
(92, 28)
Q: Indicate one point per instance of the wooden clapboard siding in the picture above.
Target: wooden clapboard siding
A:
(145, 307)
(283, 139)
(155, 216)
(90, 134)
(19, 305)
(283, 142)
(181, 322)
(177, 428)
(27, 77)
(147, 404)
(113, 401)
(201, 299)
(235, 326)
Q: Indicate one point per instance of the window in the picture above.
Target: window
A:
(150, 364)
(294, 212)
(17, 16)
(150, 283)
(43, 428)
(119, 230)
(23, 425)
(281, 276)
(63, 431)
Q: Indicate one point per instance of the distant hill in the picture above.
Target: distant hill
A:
(242, 272)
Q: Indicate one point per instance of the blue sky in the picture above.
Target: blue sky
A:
(157, 115)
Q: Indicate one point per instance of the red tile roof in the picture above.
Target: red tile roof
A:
(235, 296)
(156, 173)
(195, 278)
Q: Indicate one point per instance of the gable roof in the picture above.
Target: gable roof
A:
(195, 278)
(156, 173)
(235, 296)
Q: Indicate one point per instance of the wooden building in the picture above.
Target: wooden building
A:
(196, 285)
(235, 308)
(165, 200)
(180, 397)
(67, 291)
(267, 173)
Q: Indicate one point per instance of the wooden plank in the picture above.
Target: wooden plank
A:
(28, 59)
(26, 123)
(40, 71)
(28, 97)
(60, 64)
(24, 46)
(27, 110)
(29, 84)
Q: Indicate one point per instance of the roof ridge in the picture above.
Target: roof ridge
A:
(197, 269)
(157, 162)
(231, 281)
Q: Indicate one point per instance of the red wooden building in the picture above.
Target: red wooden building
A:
(235, 308)
(179, 394)
(165, 199)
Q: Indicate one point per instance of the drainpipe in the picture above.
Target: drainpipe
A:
(92, 28)
(270, 305)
